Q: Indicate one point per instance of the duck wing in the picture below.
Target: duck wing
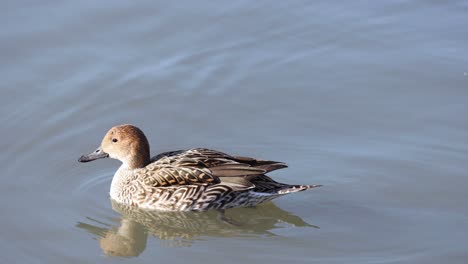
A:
(220, 164)
(166, 175)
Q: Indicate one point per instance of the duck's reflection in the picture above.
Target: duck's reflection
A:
(183, 228)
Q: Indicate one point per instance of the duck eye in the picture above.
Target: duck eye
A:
(114, 140)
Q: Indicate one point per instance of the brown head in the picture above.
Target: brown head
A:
(126, 143)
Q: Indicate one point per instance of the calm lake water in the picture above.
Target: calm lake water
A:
(368, 98)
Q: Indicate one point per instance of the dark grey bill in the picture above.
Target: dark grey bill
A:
(97, 154)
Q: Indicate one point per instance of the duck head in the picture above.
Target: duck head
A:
(126, 143)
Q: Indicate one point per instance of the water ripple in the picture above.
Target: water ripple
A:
(97, 181)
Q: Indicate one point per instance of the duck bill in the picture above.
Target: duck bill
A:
(97, 154)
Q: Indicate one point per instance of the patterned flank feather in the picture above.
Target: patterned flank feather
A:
(202, 179)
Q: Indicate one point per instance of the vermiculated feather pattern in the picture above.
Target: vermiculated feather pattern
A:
(184, 180)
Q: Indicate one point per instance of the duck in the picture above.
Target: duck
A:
(196, 179)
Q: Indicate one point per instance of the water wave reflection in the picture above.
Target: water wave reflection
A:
(185, 228)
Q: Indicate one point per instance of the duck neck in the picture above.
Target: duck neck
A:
(137, 160)
(119, 181)
(138, 163)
